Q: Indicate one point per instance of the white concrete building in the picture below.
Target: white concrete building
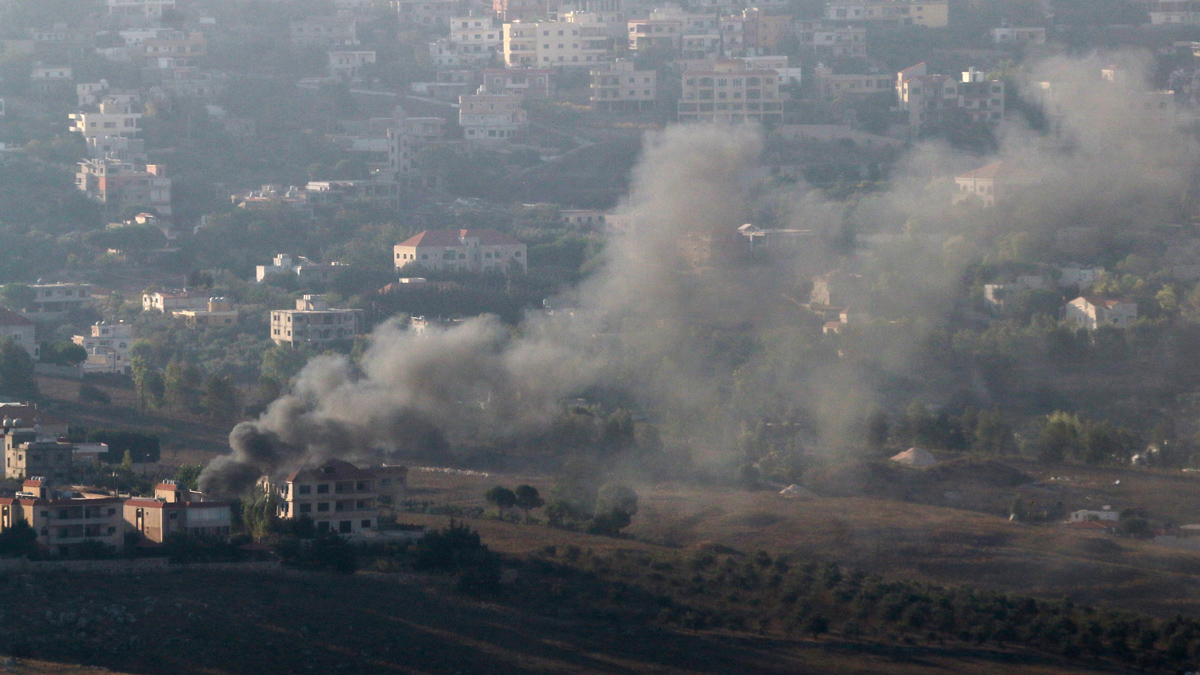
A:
(476, 37)
(349, 64)
(618, 86)
(313, 322)
(20, 329)
(107, 347)
(491, 117)
(57, 298)
(542, 44)
(171, 301)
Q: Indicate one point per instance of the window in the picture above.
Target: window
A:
(323, 489)
(323, 506)
(306, 508)
(305, 489)
(366, 524)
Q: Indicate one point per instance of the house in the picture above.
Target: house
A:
(314, 323)
(117, 183)
(177, 510)
(303, 268)
(107, 347)
(992, 183)
(1092, 312)
(339, 496)
(619, 86)
(173, 300)
(533, 83)
(475, 37)
(463, 251)
(348, 64)
(930, 98)
(51, 299)
(219, 312)
(29, 453)
(729, 90)
(1087, 515)
(64, 520)
(493, 118)
(21, 330)
(839, 85)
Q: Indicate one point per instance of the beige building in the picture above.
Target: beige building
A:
(476, 37)
(325, 31)
(934, 14)
(833, 39)
(176, 510)
(57, 298)
(930, 98)
(463, 251)
(619, 86)
(170, 301)
(313, 322)
(832, 85)
(219, 312)
(21, 330)
(524, 82)
(991, 183)
(64, 520)
(28, 453)
(542, 44)
(340, 497)
(729, 91)
(147, 9)
(111, 120)
(116, 182)
(1092, 312)
(491, 118)
(107, 347)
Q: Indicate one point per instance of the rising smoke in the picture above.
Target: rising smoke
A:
(706, 349)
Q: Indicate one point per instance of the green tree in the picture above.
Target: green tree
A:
(528, 499)
(147, 384)
(219, 398)
(64, 353)
(188, 475)
(17, 380)
(17, 296)
(181, 386)
(502, 497)
(18, 540)
(816, 625)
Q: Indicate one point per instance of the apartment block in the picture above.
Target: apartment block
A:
(533, 83)
(107, 345)
(729, 91)
(324, 31)
(111, 120)
(491, 118)
(117, 183)
(176, 510)
(619, 86)
(57, 298)
(909, 13)
(543, 44)
(833, 39)
(476, 37)
(930, 98)
(64, 520)
(339, 496)
(314, 323)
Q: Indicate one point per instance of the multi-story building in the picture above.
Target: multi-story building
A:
(656, 34)
(107, 346)
(175, 510)
(300, 266)
(463, 251)
(219, 312)
(112, 120)
(171, 49)
(992, 183)
(117, 183)
(313, 322)
(619, 86)
(428, 12)
(523, 82)
(1092, 312)
(64, 520)
(121, 148)
(21, 330)
(1185, 12)
(57, 298)
(148, 9)
(929, 98)
(833, 85)
(833, 39)
(519, 10)
(28, 453)
(491, 118)
(348, 64)
(1019, 35)
(325, 31)
(542, 44)
(934, 14)
(729, 91)
(339, 496)
(476, 37)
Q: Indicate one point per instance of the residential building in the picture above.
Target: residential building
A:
(300, 266)
(313, 322)
(534, 83)
(111, 120)
(838, 85)
(173, 300)
(729, 91)
(58, 298)
(476, 37)
(1185, 12)
(120, 148)
(932, 14)
(428, 12)
(1090, 515)
(107, 346)
(1092, 312)
(118, 183)
(339, 496)
(583, 218)
(325, 31)
(992, 182)
(1019, 35)
(491, 117)
(28, 453)
(148, 9)
(27, 416)
(175, 510)
(542, 44)
(64, 520)
(519, 10)
(619, 86)
(463, 250)
(21, 330)
(661, 34)
(171, 49)
(929, 99)
(349, 64)
(832, 39)
(1077, 275)
(219, 312)
(50, 79)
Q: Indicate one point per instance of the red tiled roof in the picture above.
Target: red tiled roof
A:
(454, 237)
(11, 318)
